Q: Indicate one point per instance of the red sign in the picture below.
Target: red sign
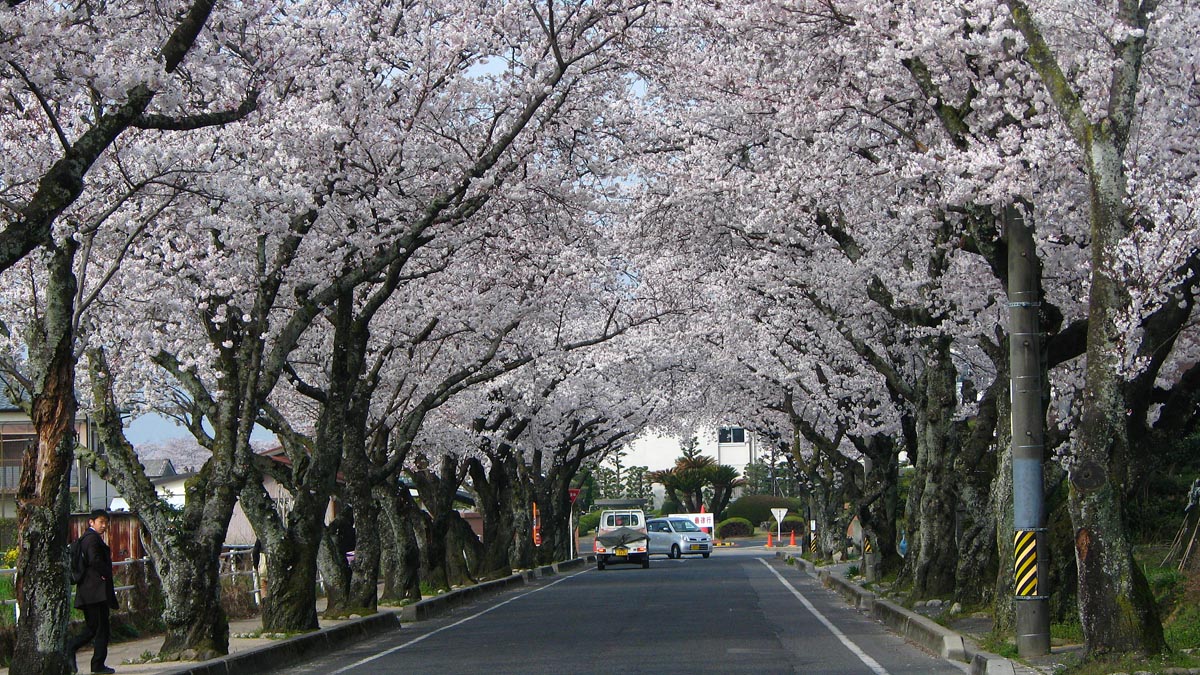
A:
(574, 492)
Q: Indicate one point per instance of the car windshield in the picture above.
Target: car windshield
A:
(685, 526)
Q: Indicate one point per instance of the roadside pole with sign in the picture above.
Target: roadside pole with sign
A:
(779, 513)
(574, 494)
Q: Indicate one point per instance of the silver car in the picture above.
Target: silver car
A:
(677, 537)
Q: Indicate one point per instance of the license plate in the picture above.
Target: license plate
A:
(621, 551)
(697, 547)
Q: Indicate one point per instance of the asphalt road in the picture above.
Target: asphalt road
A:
(739, 611)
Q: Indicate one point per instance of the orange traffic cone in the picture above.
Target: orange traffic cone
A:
(793, 540)
(768, 540)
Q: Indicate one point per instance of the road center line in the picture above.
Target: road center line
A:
(456, 623)
(862, 656)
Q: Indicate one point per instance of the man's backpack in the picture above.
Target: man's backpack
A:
(78, 564)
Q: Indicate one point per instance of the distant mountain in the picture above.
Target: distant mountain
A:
(185, 453)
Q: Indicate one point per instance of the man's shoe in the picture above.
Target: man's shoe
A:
(102, 669)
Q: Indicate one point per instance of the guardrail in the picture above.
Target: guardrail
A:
(231, 568)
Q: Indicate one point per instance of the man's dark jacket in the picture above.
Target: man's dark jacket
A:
(97, 583)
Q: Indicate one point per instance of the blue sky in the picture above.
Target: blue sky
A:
(151, 427)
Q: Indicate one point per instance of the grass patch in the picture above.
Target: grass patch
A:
(1000, 645)
(1069, 633)
(1182, 627)
(1130, 664)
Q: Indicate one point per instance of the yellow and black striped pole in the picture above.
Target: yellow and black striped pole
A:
(1025, 566)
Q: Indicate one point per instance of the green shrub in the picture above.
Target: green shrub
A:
(793, 524)
(588, 522)
(1182, 629)
(757, 508)
(734, 527)
(1167, 584)
(669, 506)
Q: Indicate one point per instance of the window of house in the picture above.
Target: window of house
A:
(731, 435)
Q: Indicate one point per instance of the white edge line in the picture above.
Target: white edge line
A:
(862, 656)
(414, 641)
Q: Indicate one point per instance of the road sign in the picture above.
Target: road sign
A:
(779, 514)
(574, 493)
(700, 519)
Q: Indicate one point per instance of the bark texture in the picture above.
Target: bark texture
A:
(932, 503)
(43, 502)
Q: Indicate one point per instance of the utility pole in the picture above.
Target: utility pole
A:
(1030, 568)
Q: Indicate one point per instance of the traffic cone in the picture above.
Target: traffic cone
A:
(793, 539)
(768, 540)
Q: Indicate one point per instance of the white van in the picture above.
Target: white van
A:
(621, 538)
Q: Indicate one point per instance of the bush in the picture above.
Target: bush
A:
(670, 506)
(757, 508)
(589, 522)
(734, 527)
(793, 524)
(1182, 629)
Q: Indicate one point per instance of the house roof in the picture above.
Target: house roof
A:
(170, 479)
(159, 468)
(7, 405)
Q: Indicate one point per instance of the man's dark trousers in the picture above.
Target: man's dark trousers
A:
(96, 617)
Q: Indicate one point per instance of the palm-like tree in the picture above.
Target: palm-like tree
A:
(724, 479)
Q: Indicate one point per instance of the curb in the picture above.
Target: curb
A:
(296, 649)
(436, 606)
(935, 637)
(303, 647)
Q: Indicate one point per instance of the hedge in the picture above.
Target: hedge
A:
(793, 524)
(757, 508)
(589, 522)
(734, 527)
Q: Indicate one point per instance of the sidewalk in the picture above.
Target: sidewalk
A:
(129, 657)
(249, 655)
(948, 643)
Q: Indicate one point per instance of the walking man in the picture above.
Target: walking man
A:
(95, 595)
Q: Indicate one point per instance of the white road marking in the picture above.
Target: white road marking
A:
(456, 623)
(862, 656)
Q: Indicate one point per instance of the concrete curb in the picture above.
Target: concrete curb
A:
(296, 649)
(431, 607)
(302, 647)
(921, 630)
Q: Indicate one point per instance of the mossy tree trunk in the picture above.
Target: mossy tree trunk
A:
(932, 503)
(43, 495)
(399, 513)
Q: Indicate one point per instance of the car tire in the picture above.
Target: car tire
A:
(646, 563)
(705, 554)
(675, 553)
(600, 565)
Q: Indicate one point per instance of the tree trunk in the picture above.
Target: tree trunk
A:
(363, 595)
(975, 464)
(290, 603)
(335, 570)
(878, 515)
(523, 554)
(185, 546)
(1116, 607)
(197, 627)
(932, 505)
(43, 495)
(399, 513)
(494, 499)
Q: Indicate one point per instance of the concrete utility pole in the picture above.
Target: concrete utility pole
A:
(1030, 569)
